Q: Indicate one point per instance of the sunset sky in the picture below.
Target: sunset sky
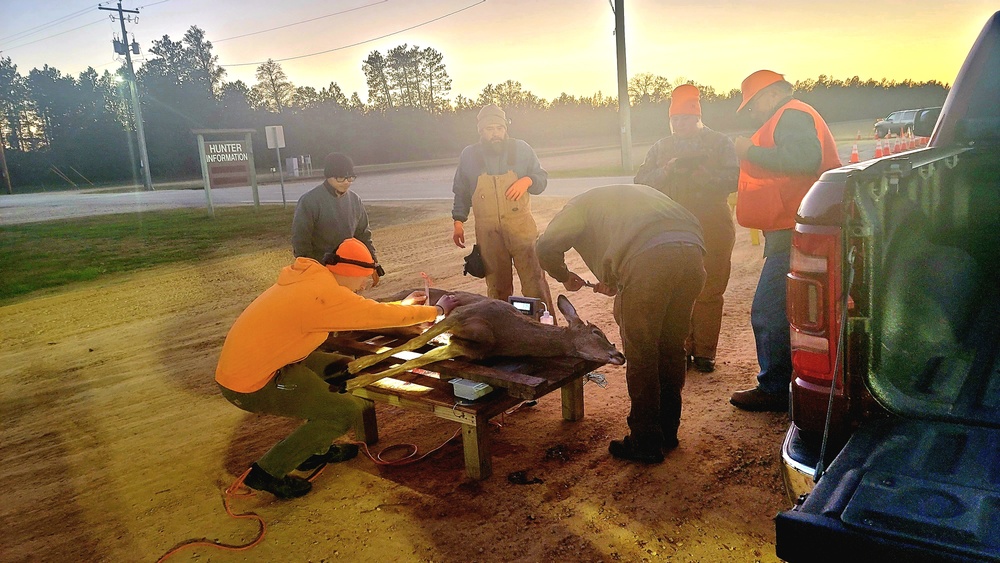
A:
(550, 46)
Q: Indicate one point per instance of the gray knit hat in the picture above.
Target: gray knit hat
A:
(337, 165)
(491, 115)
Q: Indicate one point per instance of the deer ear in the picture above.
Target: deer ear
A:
(568, 310)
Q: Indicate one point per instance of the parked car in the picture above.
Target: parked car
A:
(893, 453)
(897, 122)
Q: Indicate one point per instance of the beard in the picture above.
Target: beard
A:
(493, 146)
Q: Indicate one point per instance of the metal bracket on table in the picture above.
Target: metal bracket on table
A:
(597, 378)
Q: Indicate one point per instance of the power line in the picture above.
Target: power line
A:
(298, 22)
(39, 27)
(360, 42)
(53, 35)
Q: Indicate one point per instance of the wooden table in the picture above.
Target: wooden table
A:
(428, 389)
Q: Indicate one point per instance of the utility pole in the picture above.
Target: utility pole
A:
(134, 91)
(3, 167)
(624, 114)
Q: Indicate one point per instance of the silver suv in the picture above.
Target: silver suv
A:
(897, 123)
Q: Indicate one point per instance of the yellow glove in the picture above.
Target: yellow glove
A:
(459, 235)
(518, 188)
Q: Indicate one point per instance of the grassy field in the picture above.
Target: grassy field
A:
(50, 254)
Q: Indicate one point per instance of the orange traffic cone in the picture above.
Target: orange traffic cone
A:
(854, 154)
(895, 147)
(878, 148)
(913, 141)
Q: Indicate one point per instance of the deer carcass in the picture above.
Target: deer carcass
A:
(481, 327)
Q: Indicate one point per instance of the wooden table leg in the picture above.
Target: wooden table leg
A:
(572, 399)
(366, 427)
(476, 443)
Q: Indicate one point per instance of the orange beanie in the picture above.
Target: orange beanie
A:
(684, 100)
(351, 259)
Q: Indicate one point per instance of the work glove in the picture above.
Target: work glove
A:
(375, 278)
(518, 188)
(606, 289)
(459, 235)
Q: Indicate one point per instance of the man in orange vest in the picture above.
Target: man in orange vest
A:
(778, 165)
(496, 178)
(697, 168)
(270, 363)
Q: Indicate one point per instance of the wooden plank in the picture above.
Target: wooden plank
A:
(463, 413)
(476, 445)
(572, 399)
(366, 428)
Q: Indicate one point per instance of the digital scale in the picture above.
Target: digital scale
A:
(469, 390)
(530, 306)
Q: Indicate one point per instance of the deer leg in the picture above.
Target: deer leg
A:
(440, 353)
(412, 344)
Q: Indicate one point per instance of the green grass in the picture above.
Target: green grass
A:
(55, 253)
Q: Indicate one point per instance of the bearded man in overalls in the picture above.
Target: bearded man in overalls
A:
(495, 178)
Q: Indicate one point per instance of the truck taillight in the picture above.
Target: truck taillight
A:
(813, 287)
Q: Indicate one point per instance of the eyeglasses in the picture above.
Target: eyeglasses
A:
(345, 178)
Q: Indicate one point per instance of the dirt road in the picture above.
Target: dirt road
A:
(117, 445)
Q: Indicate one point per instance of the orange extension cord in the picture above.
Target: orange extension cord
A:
(238, 489)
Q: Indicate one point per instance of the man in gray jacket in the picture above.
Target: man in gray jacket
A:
(647, 251)
(331, 213)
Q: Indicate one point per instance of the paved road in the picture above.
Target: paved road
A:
(423, 184)
(414, 184)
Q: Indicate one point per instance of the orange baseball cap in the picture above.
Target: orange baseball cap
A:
(352, 258)
(756, 82)
(685, 100)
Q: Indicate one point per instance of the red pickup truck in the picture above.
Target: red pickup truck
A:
(893, 453)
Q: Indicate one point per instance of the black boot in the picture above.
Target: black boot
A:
(633, 450)
(336, 454)
(288, 486)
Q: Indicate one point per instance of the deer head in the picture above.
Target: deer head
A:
(588, 341)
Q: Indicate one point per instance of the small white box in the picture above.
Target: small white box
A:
(470, 390)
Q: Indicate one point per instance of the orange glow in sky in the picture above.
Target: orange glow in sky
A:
(549, 46)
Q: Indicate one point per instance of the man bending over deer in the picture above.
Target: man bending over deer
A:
(646, 251)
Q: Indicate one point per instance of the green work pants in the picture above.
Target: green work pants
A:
(299, 391)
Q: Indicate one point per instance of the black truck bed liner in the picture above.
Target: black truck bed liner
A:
(926, 491)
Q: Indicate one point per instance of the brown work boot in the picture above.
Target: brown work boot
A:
(704, 365)
(755, 400)
(630, 449)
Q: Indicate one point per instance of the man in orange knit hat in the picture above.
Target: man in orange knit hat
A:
(270, 363)
(697, 167)
(778, 165)
(495, 178)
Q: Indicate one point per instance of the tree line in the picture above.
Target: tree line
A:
(58, 129)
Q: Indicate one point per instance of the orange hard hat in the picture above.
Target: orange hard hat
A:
(684, 100)
(753, 84)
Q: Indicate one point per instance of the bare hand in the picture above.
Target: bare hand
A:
(743, 145)
(459, 235)
(670, 167)
(414, 298)
(606, 289)
(448, 303)
(574, 282)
